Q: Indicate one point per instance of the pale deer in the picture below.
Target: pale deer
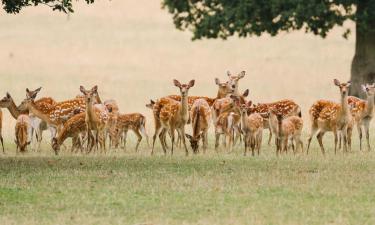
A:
(174, 116)
(72, 128)
(362, 112)
(201, 119)
(286, 107)
(252, 128)
(330, 116)
(221, 104)
(234, 80)
(96, 119)
(113, 114)
(131, 121)
(21, 132)
(228, 123)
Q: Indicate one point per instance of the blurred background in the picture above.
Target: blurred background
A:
(132, 51)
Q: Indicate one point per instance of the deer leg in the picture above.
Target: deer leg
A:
(270, 136)
(182, 132)
(205, 141)
(359, 129)
(2, 142)
(335, 137)
(156, 134)
(320, 140)
(124, 139)
(139, 139)
(143, 131)
(217, 140)
(345, 138)
(172, 137)
(313, 130)
(246, 144)
(367, 130)
(350, 132)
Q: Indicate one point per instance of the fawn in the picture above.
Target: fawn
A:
(252, 128)
(22, 130)
(330, 116)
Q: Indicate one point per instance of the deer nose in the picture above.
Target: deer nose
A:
(233, 86)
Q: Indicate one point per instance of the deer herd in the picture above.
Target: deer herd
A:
(89, 121)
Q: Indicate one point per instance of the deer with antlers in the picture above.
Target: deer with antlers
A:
(96, 119)
(330, 116)
(252, 128)
(201, 118)
(174, 116)
(22, 130)
(132, 121)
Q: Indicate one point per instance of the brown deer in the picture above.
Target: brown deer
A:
(228, 123)
(201, 118)
(286, 107)
(113, 114)
(96, 119)
(362, 112)
(132, 121)
(174, 116)
(252, 128)
(72, 128)
(330, 116)
(21, 132)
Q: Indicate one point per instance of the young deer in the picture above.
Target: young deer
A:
(72, 128)
(228, 123)
(201, 118)
(233, 81)
(174, 116)
(21, 132)
(252, 128)
(330, 116)
(132, 121)
(285, 129)
(286, 107)
(96, 119)
(113, 113)
(362, 111)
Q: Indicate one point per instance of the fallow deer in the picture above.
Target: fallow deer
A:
(201, 118)
(174, 116)
(22, 129)
(330, 116)
(72, 128)
(286, 107)
(362, 112)
(113, 114)
(252, 128)
(234, 80)
(132, 121)
(96, 119)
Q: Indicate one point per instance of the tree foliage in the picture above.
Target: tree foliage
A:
(224, 18)
(15, 6)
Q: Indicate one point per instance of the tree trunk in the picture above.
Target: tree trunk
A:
(363, 64)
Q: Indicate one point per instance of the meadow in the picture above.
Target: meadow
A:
(131, 50)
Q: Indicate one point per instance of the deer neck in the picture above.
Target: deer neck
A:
(280, 127)
(370, 104)
(90, 113)
(98, 99)
(14, 111)
(184, 107)
(33, 109)
(243, 120)
(344, 105)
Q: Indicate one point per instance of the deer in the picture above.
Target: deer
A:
(252, 128)
(201, 118)
(362, 112)
(174, 116)
(113, 113)
(286, 107)
(233, 81)
(96, 119)
(132, 121)
(72, 128)
(22, 129)
(330, 116)
(228, 122)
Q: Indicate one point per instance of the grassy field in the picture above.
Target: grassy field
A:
(132, 51)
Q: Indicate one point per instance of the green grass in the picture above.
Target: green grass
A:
(134, 188)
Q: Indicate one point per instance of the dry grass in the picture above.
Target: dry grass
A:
(132, 51)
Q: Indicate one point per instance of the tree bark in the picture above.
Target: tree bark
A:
(363, 64)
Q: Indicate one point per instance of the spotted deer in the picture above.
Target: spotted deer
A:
(286, 107)
(96, 119)
(330, 116)
(228, 123)
(131, 121)
(174, 116)
(113, 114)
(21, 132)
(71, 129)
(201, 118)
(252, 128)
(362, 112)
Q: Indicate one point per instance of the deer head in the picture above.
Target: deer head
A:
(151, 104)
(89, 94)
(233, 80)
(184, 88)
(194, 141)
(5, 102)
(30, 97)
(32, 94)
(224, 88)
(369, 89)
(22, 145)
(55, 145)
(344, 87)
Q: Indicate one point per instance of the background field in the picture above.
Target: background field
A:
(132, 51)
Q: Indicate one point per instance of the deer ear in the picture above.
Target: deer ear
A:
(152, 101)
(217, 81)
(95, 88)
(228, 73)
(336, 82)
(188, 136)
(242, 74)
(8, 95)
(82, 89)
(363, 88)
(246, 93)
(191, 83)
(348, 83)
(176, 83)
(38, 89)
(249, 103)
(27, 90)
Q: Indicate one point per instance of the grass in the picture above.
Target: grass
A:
(134, 188)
